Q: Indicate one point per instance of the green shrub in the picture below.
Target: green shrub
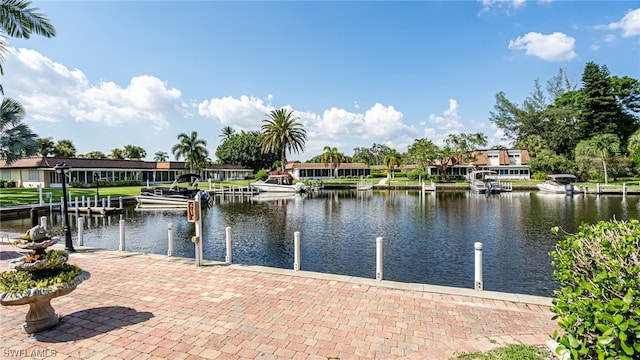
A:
(598, 304)
(261, 175)
(539, 175)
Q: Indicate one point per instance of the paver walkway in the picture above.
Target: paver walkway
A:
(138, 306)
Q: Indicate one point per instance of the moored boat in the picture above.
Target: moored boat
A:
(559, 184)
(279, 182)
(174, 195)
(484, 182)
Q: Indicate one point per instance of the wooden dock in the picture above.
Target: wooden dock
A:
(95, 210)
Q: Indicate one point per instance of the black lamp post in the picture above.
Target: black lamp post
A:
(63, 170)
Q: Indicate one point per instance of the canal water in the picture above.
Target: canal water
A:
(428, 238)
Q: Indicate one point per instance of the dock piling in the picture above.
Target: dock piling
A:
(478, 265)
(379, 255)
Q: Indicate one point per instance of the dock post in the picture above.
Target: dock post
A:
(624, 189)
(120, 202)
(40, 194)
(43, 222)
(108, 201)
(96, 201)
(83, 201)
(478, 265)
(296, 251)
(379, 255)
(103, 202)
(33, 216)
(170, 231)
(229, 258)
(121, 247)
(81, 231)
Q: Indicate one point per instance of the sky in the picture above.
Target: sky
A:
(355, 73)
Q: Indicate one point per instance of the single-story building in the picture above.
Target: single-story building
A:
(38, 171)
(318, 171)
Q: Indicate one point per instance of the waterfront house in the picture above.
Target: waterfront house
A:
(38, 171)
(318, 171)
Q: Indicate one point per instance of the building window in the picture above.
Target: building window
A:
(32, 175)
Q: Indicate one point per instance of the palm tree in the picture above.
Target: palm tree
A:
(227, 132)
(332, 156)
(16, 139)
(45, 146)
(134, 152)
(117, 154)
(64, 148)
(604, 145)
(393, 159)
(19, 21)
(282, 133)
(160, 156)
(193, 150)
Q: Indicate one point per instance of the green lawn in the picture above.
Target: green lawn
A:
(511, 352)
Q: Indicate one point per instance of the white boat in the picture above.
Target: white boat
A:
(559, 184)
(279, 182)
(484, 182)
(174, 196)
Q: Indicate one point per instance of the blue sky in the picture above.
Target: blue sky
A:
(356, 73)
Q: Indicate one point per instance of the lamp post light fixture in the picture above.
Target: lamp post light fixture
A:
(63, 169)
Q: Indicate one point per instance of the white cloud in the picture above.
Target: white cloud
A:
(630, 24)
(245, 113)
(489, 4)
(552, 47)
(450, 121)
(50, 90)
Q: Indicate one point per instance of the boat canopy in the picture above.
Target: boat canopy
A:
(562, 177)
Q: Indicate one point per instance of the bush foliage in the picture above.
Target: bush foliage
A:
(598, 304)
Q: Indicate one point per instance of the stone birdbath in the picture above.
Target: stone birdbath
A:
(36, 278)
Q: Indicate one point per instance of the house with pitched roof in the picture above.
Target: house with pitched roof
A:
(38, 171)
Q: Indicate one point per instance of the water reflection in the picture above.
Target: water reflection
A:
(428, 238)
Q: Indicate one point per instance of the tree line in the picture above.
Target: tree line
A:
(591, 131)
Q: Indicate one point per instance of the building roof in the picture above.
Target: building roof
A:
(84, 163)
(291, 166)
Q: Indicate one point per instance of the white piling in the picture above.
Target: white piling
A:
(121, 248)
(624, 189)
(120, 202)
(83, 201)
(170, 232)
(81, 231)
(40, 194)
(104, 203)
(296, 251)
(108, 201)
(379, 255)
(77, 204)
(478, 265)
(43, 222)
(96, 200)
(229, 258)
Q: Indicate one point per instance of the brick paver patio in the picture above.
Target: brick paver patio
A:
(138, 306)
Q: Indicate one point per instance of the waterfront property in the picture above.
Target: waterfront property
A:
(308, 171)
(38, 171)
